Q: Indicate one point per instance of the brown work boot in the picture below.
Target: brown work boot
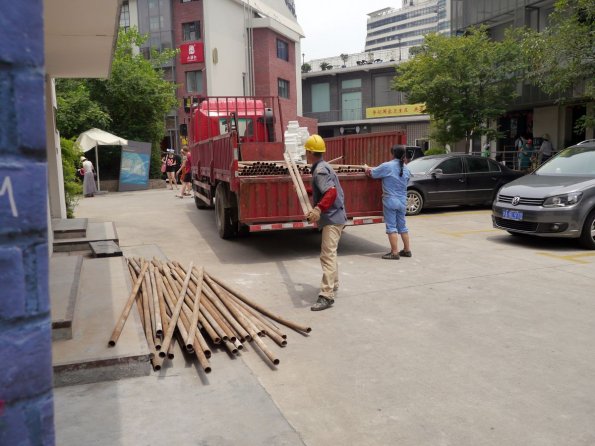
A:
(322, 303)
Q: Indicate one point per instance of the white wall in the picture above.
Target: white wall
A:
(57, 201)
(547, 120)
(225, 30)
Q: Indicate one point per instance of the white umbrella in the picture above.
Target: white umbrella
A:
(96, 137)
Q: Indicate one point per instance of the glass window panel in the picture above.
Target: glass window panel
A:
(351, 83)
(321, 98)
(477, 165)
(194, 81)
(351, 105)
(283, 88)
(282, 50)
(451, 166)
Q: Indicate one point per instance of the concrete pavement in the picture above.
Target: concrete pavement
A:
(480, 338)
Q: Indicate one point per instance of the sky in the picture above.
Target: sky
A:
(333, 27)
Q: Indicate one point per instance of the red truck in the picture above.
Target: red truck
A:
(236, 146)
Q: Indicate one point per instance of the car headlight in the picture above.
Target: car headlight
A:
(563, 200)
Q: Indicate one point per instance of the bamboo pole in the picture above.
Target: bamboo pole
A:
(169, 294)
(298, 190)
(279, 340)
(176, 312)
(267, 324)
(149, 290)
(276, 318)
(147, 315)
(126, 311)
(266, 351)
(214, 298)
(300, 183)
(196, 309)
(156, 296)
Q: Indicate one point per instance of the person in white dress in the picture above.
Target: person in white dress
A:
(89, 187)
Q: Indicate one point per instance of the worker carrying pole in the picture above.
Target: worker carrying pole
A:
(329, 213)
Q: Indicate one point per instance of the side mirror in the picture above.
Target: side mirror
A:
(436, 172)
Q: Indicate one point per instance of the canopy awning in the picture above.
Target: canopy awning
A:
(95, 137)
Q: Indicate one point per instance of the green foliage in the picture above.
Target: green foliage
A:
(560, 59)
(73, 188)
(464, 81)
(435, 151)
(306, 67)
(325, 66)
(132, 103)
(77, 112)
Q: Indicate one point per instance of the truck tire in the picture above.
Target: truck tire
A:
(415, 202)
(224, 213)
(587, 239)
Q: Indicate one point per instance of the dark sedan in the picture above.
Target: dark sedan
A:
(454, 179)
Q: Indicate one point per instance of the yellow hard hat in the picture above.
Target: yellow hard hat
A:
(315, 143)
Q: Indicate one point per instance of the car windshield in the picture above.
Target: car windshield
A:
(422, 165)
(575, 160)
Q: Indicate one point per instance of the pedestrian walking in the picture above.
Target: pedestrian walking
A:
(184, 173)
(172, 162)
(329, 213)
(395, 177)
(89, 187)
(486, 151)
(526, 155)
(546, 150)
(519, 143)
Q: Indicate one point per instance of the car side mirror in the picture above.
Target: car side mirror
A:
(436, 172)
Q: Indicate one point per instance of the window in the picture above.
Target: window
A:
(191, 31)
(451, 166)
(383, 92)
(494, 166)
(351, 83)
(194, 81)
(283, 88)
(282, 50)
(154, 23)
(125, 16)
(351, 105)
(476, 164)
(321, 98)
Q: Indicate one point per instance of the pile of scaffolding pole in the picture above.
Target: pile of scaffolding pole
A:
(198, 310)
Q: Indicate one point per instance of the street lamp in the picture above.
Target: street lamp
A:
(303, 58)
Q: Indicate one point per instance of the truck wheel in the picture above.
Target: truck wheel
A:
(587, 239)
(415, 202)
(224, 213)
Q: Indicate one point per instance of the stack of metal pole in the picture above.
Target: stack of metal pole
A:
(259, 168)
(189, 305)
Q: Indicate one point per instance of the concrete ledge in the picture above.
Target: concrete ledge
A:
(95, 232)
(64, 284)
(67, 228)
(104, 289)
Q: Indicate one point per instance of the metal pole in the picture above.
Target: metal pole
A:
(97, 166)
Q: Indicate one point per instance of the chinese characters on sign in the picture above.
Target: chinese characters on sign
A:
(395, 110)
(192, 52)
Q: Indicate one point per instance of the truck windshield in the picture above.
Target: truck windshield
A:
(577, 160)
(243, 124)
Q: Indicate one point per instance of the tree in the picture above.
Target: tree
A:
(306, 67)
(325, 66)
(77, 112)
(464, 81)
(136, 95)
(344, 57)
(561, 58)
(73, 188)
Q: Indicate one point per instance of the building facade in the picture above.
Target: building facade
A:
(257, 52)
(533, 113)
(360, 99)
(404, 28)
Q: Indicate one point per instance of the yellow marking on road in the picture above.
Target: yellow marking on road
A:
(570, 257)
(460, 234)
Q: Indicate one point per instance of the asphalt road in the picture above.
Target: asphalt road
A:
(480, 338)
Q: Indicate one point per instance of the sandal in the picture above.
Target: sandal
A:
(391, 256)
(404, 253)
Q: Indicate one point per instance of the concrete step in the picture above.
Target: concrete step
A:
(64, 284)
(65, 228)
(95, 232)
(105, 248)
(104, 288)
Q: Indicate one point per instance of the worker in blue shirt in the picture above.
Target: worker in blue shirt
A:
(395, 176)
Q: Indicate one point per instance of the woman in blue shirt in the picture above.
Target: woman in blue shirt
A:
(395, 176)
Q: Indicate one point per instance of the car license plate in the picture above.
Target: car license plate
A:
(512, 215)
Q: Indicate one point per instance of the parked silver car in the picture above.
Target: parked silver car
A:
(557, 200)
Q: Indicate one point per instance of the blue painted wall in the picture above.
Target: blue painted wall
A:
(26, 404)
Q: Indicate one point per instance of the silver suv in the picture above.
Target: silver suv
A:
(557, 200)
